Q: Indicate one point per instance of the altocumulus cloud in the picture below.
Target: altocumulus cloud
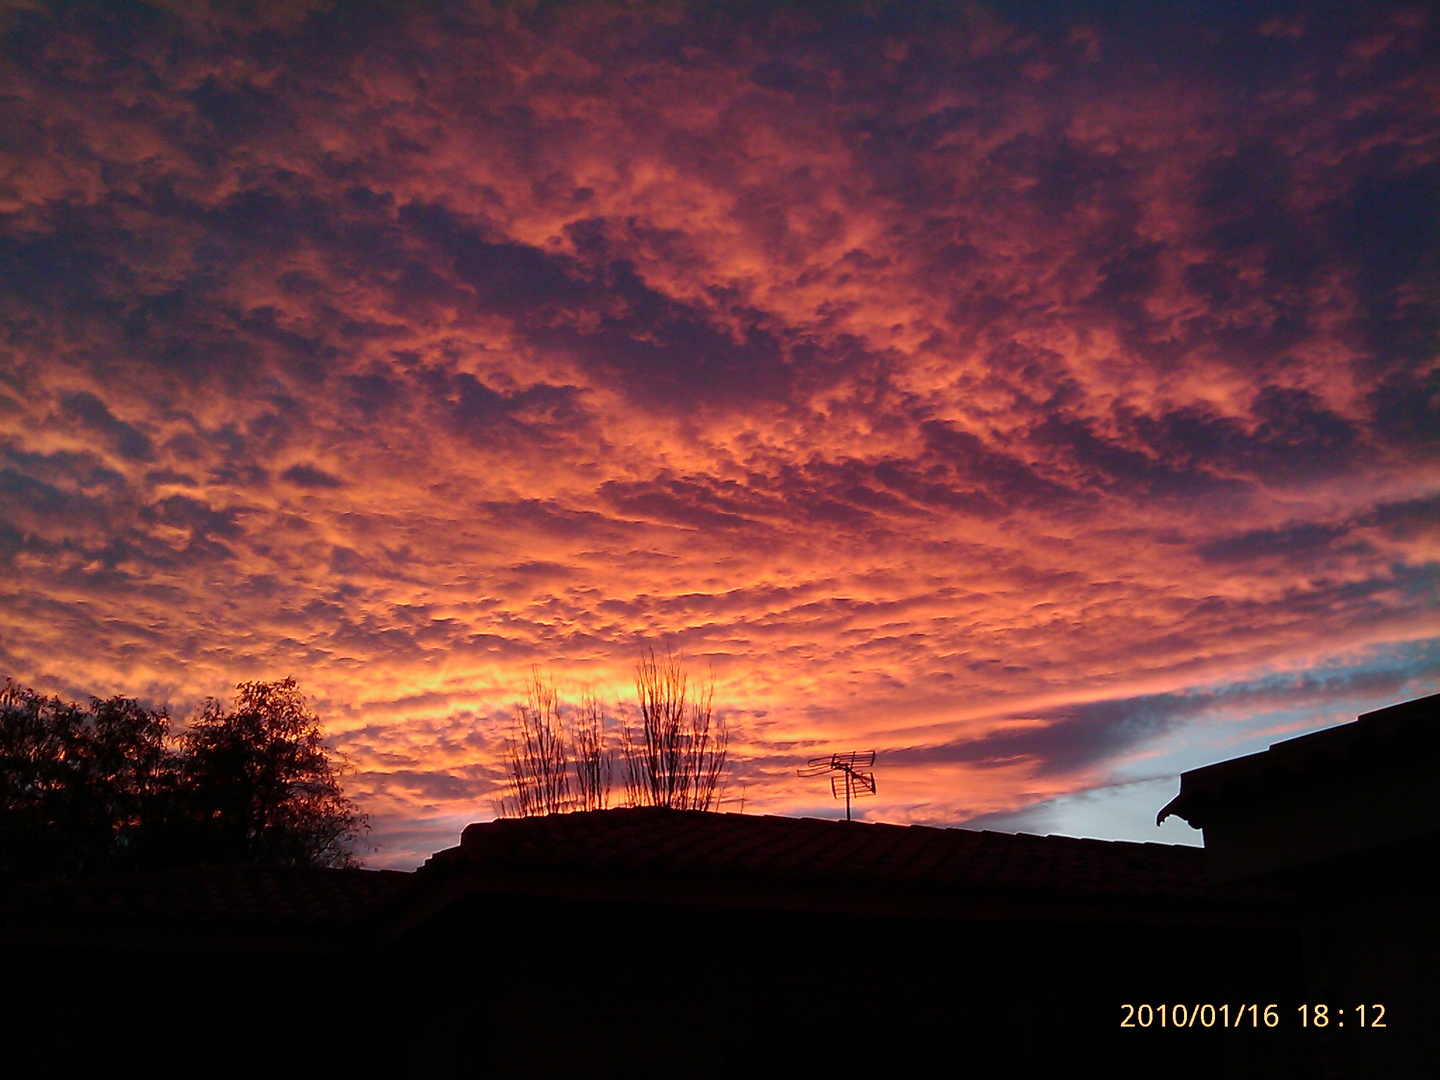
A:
(993, 384)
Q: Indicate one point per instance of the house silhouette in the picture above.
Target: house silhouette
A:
(659, 942)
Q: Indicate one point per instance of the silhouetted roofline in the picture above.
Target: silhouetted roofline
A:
(695, 844)
(1382, 735)
(627, 856)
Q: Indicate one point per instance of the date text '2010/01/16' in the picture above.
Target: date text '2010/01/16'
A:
(1247, 1016)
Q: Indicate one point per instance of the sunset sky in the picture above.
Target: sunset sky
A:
(1045, 396)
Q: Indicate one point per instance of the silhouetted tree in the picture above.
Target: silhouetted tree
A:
(108, 788)
(677, 757)
(535, 755)
(594, 761)
(79, 786)
(260, 786)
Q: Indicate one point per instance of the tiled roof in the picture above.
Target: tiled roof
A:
(691, 843)
(257, 897)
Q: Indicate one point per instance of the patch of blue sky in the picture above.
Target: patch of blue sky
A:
(1223, 721)
(1230, 719)
(1114, 812)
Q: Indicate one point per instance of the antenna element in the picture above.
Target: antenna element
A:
(845, 773)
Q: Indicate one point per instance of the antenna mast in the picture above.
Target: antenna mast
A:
(845, 774)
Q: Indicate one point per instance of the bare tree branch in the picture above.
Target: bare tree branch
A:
(677, 756)
(537, 776)
(594, 761)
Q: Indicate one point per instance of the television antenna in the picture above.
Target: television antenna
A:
(846, 778)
